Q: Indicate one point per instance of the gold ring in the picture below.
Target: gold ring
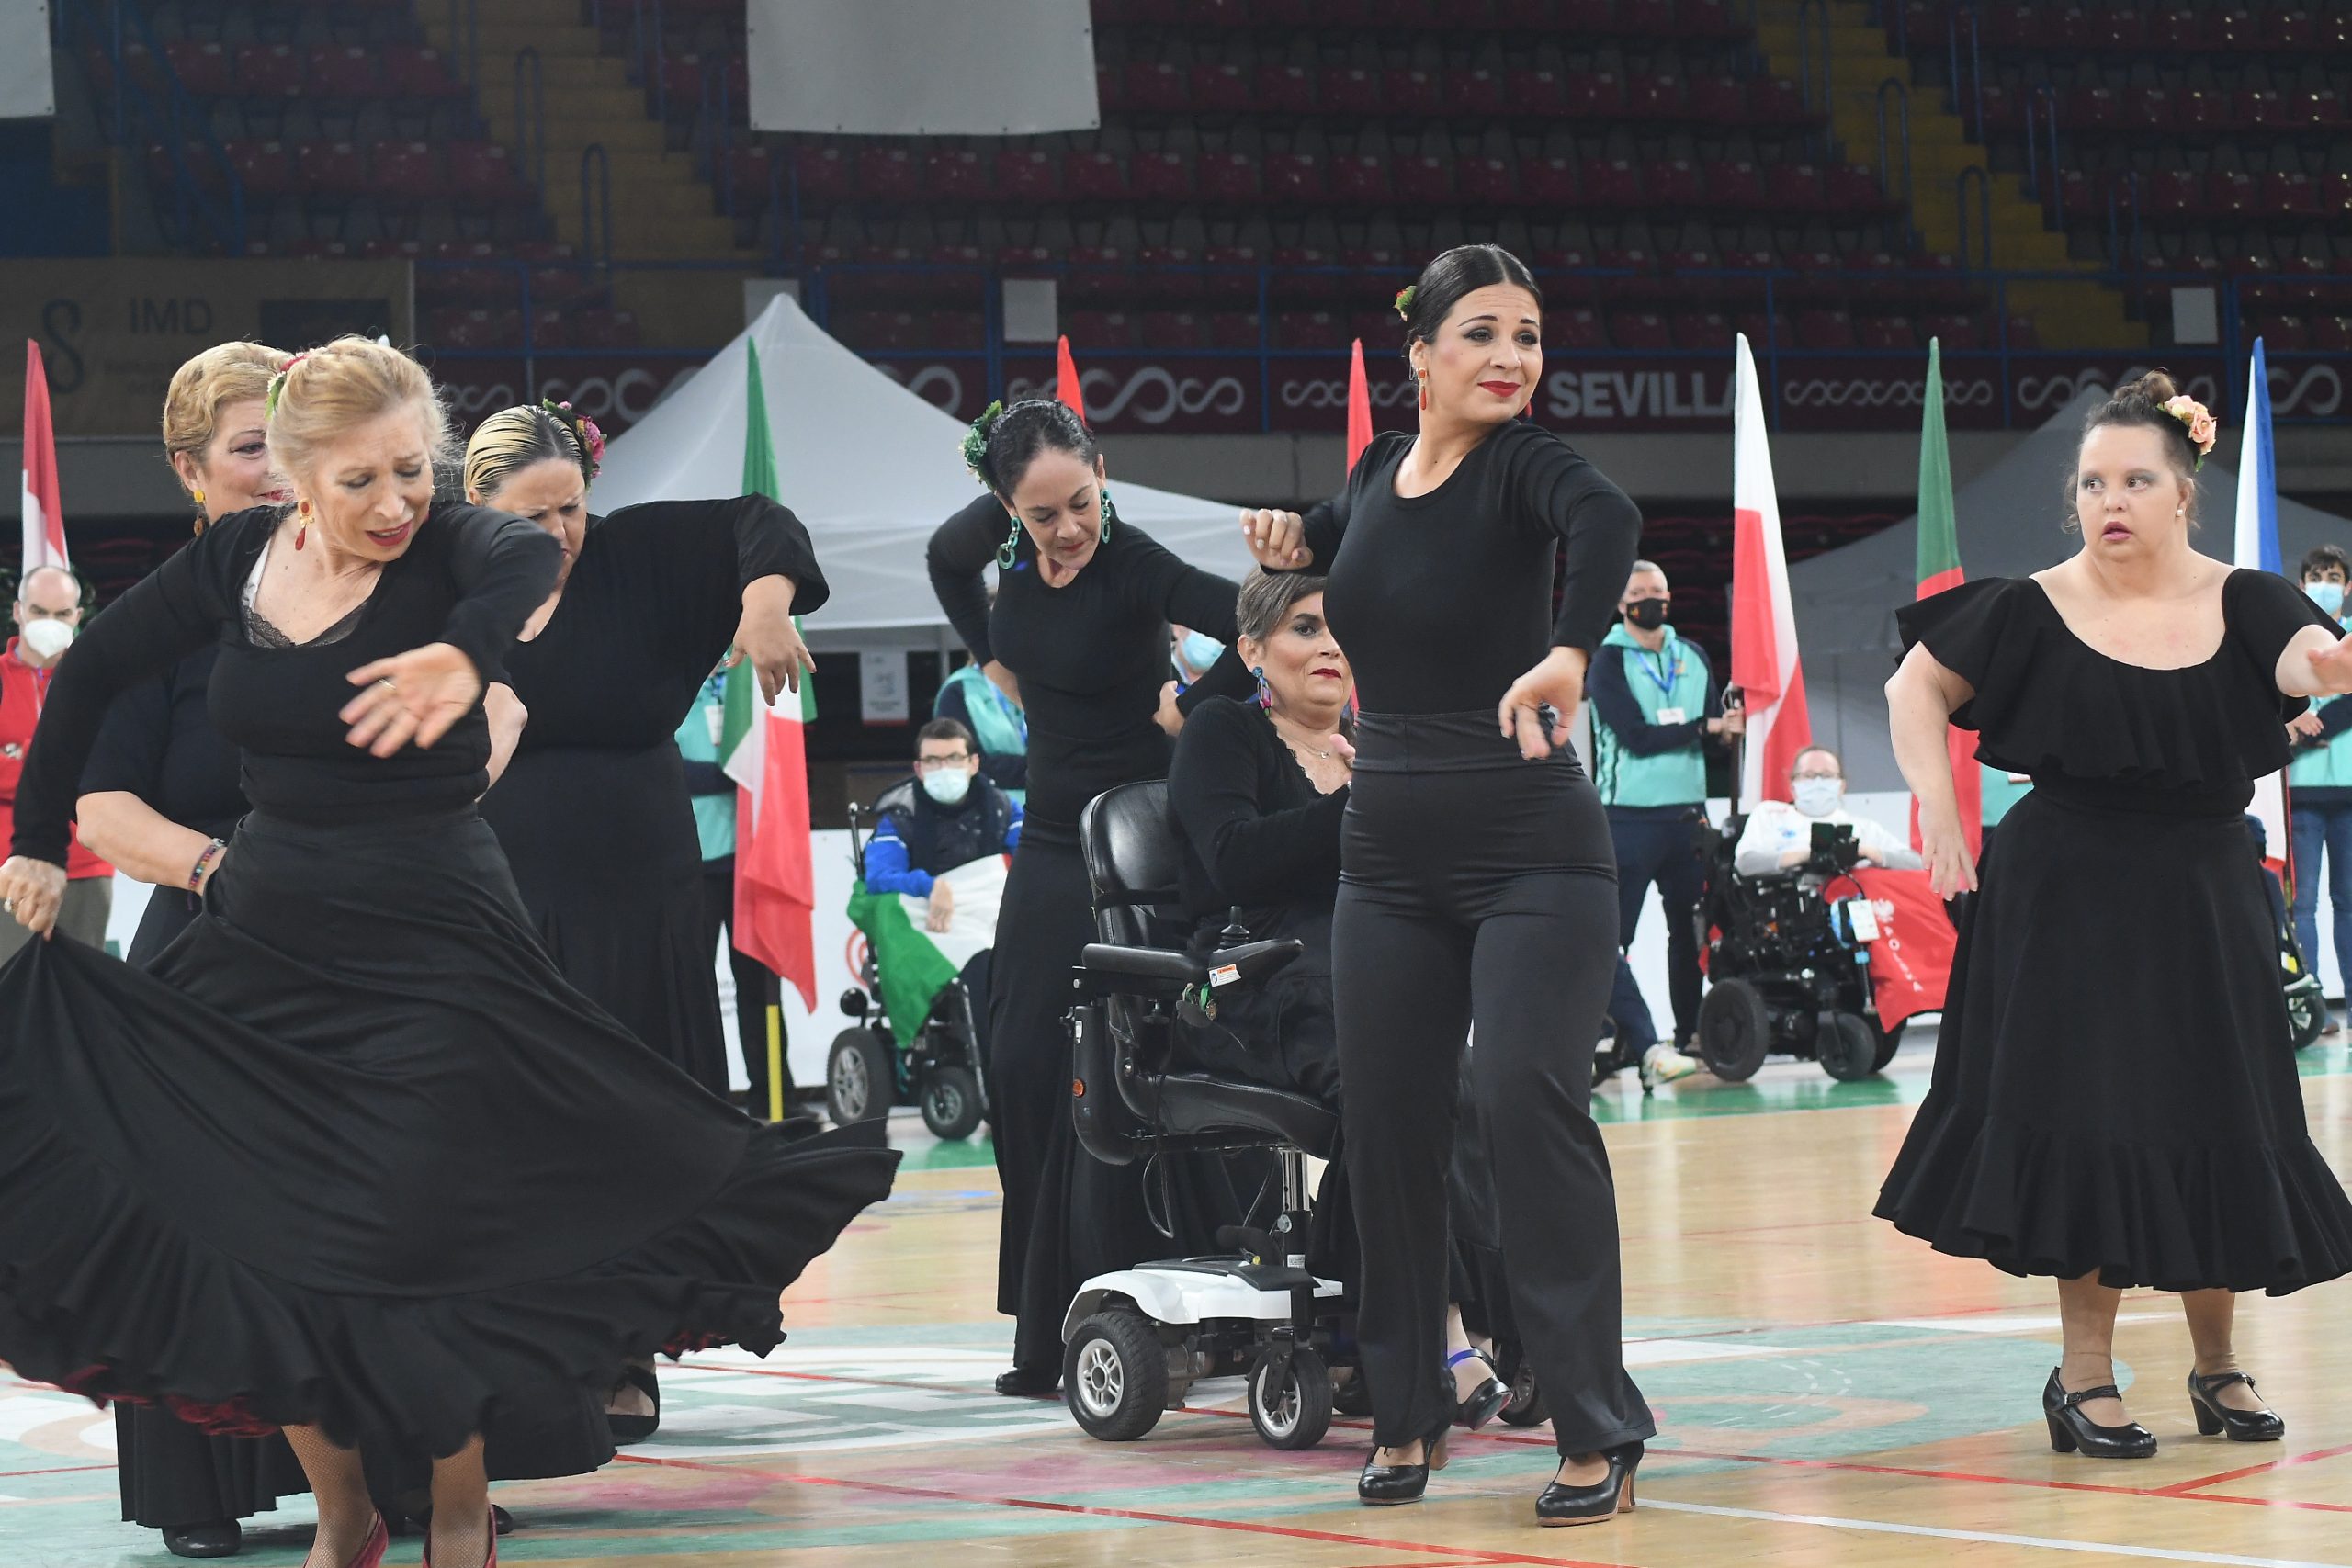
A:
(386, 682)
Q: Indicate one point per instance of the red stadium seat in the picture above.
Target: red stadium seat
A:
(2332, 335)
(1714, 19)
(1549, 183)
(2175, 193)
(1719, 100)
(1594, 19)
(2022, 333)
(1573, 328)
(1309, 329)
(1229, 178)
(1884, 332)
(1174, 329)
(1476, 91)
(1853, 188)
(1524, 16)
(264, 168)
(1164, 177)
(2178, 29)
(1952, 332)
(484, 172)
(1099, 330)
(1648, 18)
(1735, 185)
(2290, 195)
(1293, 178)
(269, 71)
(1825, 330)
(1361, 179)
(2148, 110)
(2232, 193)
(1222, 89)
(2013, 27)
(1155, 86)
(2200, 109)
(1286, 89)
(1489, 182)
(1535, 93)
(889, 173)
(824, 176)
(1655, 97)
(1027, 175)
(203, 68)
(1425, 181)
(405, 171)
(331, 168)
(2263, 110)
(1408, 91)
(1645, 330)
(1100, 177)
(2228, 32)
(1350, 91)
(954, 175)
(1793, 187)
(1676, 183)
(1595, 95)
(1612, 183)
(411, 71)
(2090, 108)
(1778, 101)
(2288, 29)
(2282, 334)
(2336, 196)
(1233, 328)
(550, 328)
(1701, 329)
(2318, 109)
(345, 71)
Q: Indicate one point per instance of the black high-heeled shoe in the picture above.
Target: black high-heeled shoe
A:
(1482, 1403)
(1605, 1498)
(1381, 1485)
(2070, 1429)
(2261, 1426)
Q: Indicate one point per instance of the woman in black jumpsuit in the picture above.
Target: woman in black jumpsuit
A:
(1478, 885)
(1080, 620)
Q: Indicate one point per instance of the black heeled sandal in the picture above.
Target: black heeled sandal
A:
(1605, 1498)
(2213, 1418)
(630, 1429)
(1482, 1403)
(2070, 1429)
(1379, 1485)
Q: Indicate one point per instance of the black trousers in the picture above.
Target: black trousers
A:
(1660, 844)
(1477, 890)
(753, 984)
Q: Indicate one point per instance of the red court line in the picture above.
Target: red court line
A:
(1460, 1557)
(2203, 1482)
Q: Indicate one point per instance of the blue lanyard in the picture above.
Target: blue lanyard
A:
(1662, 675)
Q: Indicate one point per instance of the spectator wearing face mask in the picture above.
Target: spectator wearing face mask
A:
(49, 608)
(2319, 786)
(1656, 707)
(1779, 835)
(958, 816)
(999, 726)
(1191, 654)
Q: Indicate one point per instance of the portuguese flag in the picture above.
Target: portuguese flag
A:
(763, 749)
(1938, 568)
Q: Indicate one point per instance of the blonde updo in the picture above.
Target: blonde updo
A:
(515, 439)
(230, 373)
(325, 394)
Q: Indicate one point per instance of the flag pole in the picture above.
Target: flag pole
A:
(774, 989)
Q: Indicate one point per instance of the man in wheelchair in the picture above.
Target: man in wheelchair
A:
(1779, 835)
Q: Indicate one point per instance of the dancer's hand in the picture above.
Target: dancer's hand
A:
(2333, 666)
(34, 891)
(1277, 539)
(1558, 681)
(1345, 750)
(410, 697)
(1950, 868)
(1170, 716)
(767, 637)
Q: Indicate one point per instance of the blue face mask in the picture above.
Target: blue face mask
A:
(1201, 651)
(2328, 596)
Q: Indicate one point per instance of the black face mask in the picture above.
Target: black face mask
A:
(1648, 614)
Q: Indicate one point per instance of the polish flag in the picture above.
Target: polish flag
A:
(1065, 388)
(1359, 407)
(1763, 618)
(44, 517)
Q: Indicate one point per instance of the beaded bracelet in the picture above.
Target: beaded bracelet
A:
(212, 851)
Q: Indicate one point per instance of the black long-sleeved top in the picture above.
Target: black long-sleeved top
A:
(1444, 599)
(1091, 655)
(1614, 705)
(471, 577)
(159, 744)
(1256, 833)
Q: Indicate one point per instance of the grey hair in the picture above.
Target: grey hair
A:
(1266, 596)
(1642, 566)
(1805, 752)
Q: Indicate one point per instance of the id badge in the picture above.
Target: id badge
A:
(1672, 715)
(714, 715)
(1861, 919)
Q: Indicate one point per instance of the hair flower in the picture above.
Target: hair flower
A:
(976, 443)
(2202, 427)
(1405, 301)
(584, 430)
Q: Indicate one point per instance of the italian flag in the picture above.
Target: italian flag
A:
(1938, 568)
(1763, 618)
(44, 517)
(763, 750)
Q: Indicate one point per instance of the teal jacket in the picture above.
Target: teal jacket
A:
(2325, 764)
(1649, 714)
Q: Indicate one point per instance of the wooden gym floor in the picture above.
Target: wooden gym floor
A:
(1828, 1392)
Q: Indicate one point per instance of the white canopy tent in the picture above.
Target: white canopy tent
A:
(870, 468)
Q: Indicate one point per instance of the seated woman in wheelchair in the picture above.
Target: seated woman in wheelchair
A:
(1258, 790)
(1779, 835)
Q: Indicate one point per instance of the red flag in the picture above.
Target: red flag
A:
(1066, 387)
(1911, 958)
(1764, 663)
(1359, 407)
(44, 514)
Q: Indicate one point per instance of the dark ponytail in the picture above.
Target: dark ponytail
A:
(1004, 442)
(1449, 277)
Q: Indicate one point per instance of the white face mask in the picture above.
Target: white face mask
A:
(947, 785)
(1816, 797)
(47, 639)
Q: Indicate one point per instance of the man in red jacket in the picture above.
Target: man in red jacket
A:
(49, 606)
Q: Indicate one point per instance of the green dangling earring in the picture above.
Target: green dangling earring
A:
(1009, 551)
(1109, 515)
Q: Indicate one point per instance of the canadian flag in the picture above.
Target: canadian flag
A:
(1763, 619)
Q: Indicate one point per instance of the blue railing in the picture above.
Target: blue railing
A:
(1777, 360)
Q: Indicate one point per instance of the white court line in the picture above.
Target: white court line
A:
(2046, 1543)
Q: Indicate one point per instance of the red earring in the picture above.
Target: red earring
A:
(303, 534)
(1423, 376)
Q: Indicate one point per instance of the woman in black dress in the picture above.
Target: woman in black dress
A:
(1479, 883)
(2115, 1101)
(646, 603)
(337, 1164)
(1081, 626)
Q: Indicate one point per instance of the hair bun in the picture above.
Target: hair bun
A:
(2156, 385)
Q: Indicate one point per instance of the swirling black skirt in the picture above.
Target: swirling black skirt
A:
(2115, 1089)
(344, 1158)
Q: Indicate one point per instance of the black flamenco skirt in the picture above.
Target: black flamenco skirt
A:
(603, 846)
(2115, 1090)
(345, 1158)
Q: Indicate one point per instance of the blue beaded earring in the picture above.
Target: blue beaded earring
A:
(1265, 692)
(1009, 551)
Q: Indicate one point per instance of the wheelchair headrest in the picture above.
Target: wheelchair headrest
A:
(1133, 854)
(899, 796)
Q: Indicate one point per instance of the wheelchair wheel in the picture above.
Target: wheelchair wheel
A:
(861, 1076)
(1114, 1375)
(2306, 1013)
(1297, 1414)
(1847, 1048)
(1734, 1030)
(1888, 1039)
(951, 1103)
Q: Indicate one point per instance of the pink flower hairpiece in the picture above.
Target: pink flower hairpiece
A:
(2202, 427)
(591, 440)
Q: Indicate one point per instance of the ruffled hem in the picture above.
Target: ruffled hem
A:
(2189, 1217)
(100, 1296)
